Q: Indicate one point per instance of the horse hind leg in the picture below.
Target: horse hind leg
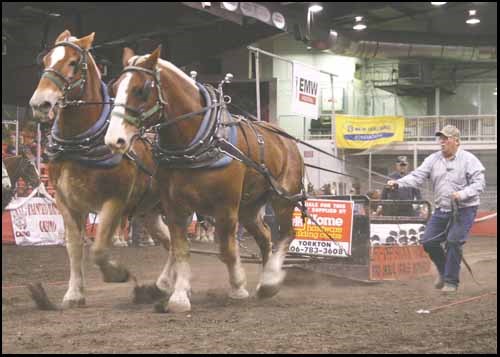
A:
(273, 274)
(164, 284)
(255, 225)
(109, 219)
(225, 228)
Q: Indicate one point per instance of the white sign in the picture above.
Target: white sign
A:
(326, 99)
(278, 20)
(397, 234)
(305, 94)
(37, 222)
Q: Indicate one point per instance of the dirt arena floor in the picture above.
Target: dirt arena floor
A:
(313, 313)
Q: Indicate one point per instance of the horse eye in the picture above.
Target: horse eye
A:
(73, 63)
(137, 92)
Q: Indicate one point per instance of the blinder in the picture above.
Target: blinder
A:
(139, 117)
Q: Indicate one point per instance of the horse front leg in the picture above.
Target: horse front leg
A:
(225, 229)
(109, 219)
(177, 269)
(74, 230)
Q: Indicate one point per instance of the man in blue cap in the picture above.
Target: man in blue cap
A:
(404, 193)
(456, 175)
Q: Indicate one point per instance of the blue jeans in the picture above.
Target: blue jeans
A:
(448, 263)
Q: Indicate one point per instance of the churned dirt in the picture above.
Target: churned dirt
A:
(313, 313)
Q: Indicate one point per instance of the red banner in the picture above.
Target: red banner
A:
(399, 263)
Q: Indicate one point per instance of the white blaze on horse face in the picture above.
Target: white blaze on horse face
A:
(51, 94)
(117, 128)
(57, 55)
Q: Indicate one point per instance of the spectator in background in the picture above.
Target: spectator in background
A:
(11, 150)
(375, 195)
(403, 193)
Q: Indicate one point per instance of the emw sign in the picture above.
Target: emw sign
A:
(305, 94)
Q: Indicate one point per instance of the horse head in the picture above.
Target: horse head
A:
(64, 75)
(144, 92)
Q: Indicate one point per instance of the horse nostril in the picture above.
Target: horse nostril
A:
(45, 106)
(120, 142)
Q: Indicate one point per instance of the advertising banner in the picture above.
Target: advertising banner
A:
(37, 222)
(364, 132)
(335, 217)
(305, 91)
(399, 263)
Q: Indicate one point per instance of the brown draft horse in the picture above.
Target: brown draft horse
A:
(71, 73)
(17, 167)
(230, 194)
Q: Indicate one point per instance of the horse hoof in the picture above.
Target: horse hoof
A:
(70, 304)
(159, 307)
(240, 293)
(178, 304)
(177, 308)
(267, 291)
(113, 274)
(147, 294)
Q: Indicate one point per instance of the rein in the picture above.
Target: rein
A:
(454, 219)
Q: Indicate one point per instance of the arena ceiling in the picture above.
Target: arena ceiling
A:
(188, 32)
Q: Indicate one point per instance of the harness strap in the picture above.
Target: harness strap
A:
(236, 153)
(137, 121)
(260, 141)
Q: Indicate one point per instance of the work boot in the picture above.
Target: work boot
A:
(439, 282)
(449, 288)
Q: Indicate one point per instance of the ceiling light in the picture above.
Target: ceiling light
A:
(495, 92)
(437, 3)
(231, 6)
(359, 25)
(315, 8)
(472, 20)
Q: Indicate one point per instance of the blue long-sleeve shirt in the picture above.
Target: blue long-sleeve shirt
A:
(463, 173)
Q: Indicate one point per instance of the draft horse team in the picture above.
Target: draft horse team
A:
(203, 160)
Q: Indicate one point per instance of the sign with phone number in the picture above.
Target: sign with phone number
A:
(335, 217)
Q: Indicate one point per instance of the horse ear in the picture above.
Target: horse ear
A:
(86, 42)
(153, 58)
(128, 53)
(63, 36)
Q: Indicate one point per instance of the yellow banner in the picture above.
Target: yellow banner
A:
(353, 132)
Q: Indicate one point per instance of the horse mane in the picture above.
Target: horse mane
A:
(164, 64)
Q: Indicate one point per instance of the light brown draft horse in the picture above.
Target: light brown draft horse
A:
(228, 194)
(17, 167)
(71, 74)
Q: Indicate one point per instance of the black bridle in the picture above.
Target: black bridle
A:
(63, 83)
(139, 117)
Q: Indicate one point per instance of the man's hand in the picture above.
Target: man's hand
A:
(455, 196)
(393, 184)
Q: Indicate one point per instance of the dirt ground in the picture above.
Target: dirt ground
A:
(313, 313)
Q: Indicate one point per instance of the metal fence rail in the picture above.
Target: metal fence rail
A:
(472, 127)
